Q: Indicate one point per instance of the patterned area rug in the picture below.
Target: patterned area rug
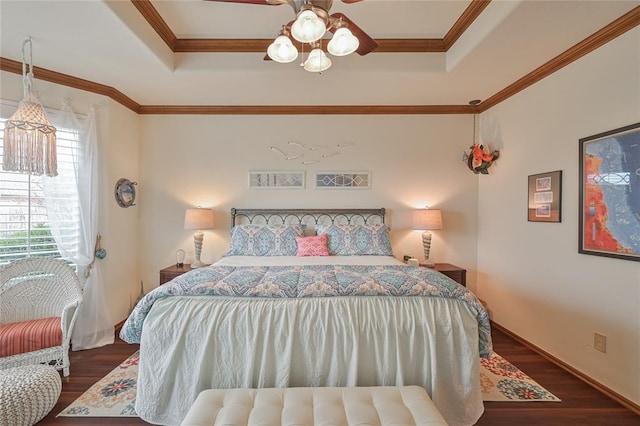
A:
(502, 381)
(114, 395)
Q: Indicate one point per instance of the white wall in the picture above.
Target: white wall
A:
(188, 161)
(119, 226)
(531, 275)
(118, 147)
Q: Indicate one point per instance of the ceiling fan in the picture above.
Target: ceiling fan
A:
(311, 23)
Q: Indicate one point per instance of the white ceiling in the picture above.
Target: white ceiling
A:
(109, 42)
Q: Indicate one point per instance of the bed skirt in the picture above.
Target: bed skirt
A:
(193, 343)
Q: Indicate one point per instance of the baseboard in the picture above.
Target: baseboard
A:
(119, 325)
(577, 373)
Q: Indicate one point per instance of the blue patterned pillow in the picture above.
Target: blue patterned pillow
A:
(350, 240)
(264, 240)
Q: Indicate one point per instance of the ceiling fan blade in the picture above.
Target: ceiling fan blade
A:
(367, 44)
(261, 2)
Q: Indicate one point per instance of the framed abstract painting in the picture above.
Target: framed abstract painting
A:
(609, 196)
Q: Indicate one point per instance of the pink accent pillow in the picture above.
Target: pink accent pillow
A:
(312, 246)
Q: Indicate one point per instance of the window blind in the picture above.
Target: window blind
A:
(24, 227)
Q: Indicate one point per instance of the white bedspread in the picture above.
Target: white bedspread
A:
(193, 343)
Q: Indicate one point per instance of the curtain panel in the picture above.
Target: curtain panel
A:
(94, 327)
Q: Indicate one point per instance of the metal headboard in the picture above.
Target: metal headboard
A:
(308, 217)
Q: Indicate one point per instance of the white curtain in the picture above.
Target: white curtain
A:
(94, 327)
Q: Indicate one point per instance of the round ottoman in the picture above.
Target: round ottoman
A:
(28, 393)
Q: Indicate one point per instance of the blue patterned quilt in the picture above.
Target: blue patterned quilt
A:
(310, 281)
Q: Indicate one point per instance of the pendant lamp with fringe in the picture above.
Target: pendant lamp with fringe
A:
(29, 138)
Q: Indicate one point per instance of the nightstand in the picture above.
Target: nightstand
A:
(452, 271)
(170, 272)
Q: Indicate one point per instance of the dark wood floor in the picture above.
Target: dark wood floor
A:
(581, 404)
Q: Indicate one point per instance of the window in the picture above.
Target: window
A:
(25, 228)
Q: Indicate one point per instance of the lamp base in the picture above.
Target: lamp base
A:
(426, 245)
(198, 264)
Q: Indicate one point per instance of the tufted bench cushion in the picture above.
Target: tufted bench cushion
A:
(335, 406)
(30, 336)
(27, 394)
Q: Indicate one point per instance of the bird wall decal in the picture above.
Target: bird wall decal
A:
(310, 154)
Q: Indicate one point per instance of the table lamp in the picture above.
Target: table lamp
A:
(198, 219)
(427, 220)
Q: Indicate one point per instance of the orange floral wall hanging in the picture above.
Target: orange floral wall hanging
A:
(478, 160)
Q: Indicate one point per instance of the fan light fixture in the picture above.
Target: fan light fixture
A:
(29, 138)
(317, 61)
(343, 43)
(282, 50)
(311, 24)
(308, 27)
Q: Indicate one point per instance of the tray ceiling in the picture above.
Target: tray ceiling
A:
(112, 43)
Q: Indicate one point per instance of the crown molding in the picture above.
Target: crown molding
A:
(465, 20)
(15, 67)
(615, 29)
(253, 45)
(156, 21)
(306, 109)
(260, 45)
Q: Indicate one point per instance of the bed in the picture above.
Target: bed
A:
(308, 298)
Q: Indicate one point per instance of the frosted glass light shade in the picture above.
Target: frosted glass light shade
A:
(343, 43)
(308, 27)
(282, 50)
(317, 61)
(427, 219)
(198, 219)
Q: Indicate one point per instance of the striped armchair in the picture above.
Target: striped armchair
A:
(39, 301)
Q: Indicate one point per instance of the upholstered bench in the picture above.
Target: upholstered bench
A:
(335, 406)
(27, 394)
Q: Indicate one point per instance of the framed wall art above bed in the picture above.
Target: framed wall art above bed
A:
(276, 180)
(343, 180)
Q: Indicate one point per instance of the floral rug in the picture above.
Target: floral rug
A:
(114, 395)
(502, 381)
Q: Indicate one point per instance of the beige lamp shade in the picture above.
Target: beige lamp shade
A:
(427, 219)
(198, 219)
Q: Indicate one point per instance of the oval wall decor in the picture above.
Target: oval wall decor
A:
(125, 192)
